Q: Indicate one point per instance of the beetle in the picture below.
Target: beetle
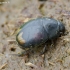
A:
(38, 31)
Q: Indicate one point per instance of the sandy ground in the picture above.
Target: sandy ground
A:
(13, 14)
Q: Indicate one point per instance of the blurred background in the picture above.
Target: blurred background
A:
(13, 14)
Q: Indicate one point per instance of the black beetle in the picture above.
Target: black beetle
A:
(37, 31)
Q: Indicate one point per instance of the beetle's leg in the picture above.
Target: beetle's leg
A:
(44, 50)
(42, 53)
(52, 43)
(23, 53)
(26, 52)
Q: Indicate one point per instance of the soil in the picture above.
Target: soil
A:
(13, 14)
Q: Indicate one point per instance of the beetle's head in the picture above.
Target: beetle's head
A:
(61, 28)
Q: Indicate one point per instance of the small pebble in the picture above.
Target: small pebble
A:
(68, 51)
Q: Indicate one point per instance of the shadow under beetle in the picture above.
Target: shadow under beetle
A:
(38, 31)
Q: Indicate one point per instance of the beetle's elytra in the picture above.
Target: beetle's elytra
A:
(38, 31)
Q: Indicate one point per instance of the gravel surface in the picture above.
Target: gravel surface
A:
(13, 14)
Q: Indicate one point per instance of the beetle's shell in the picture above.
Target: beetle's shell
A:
(38, 31)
